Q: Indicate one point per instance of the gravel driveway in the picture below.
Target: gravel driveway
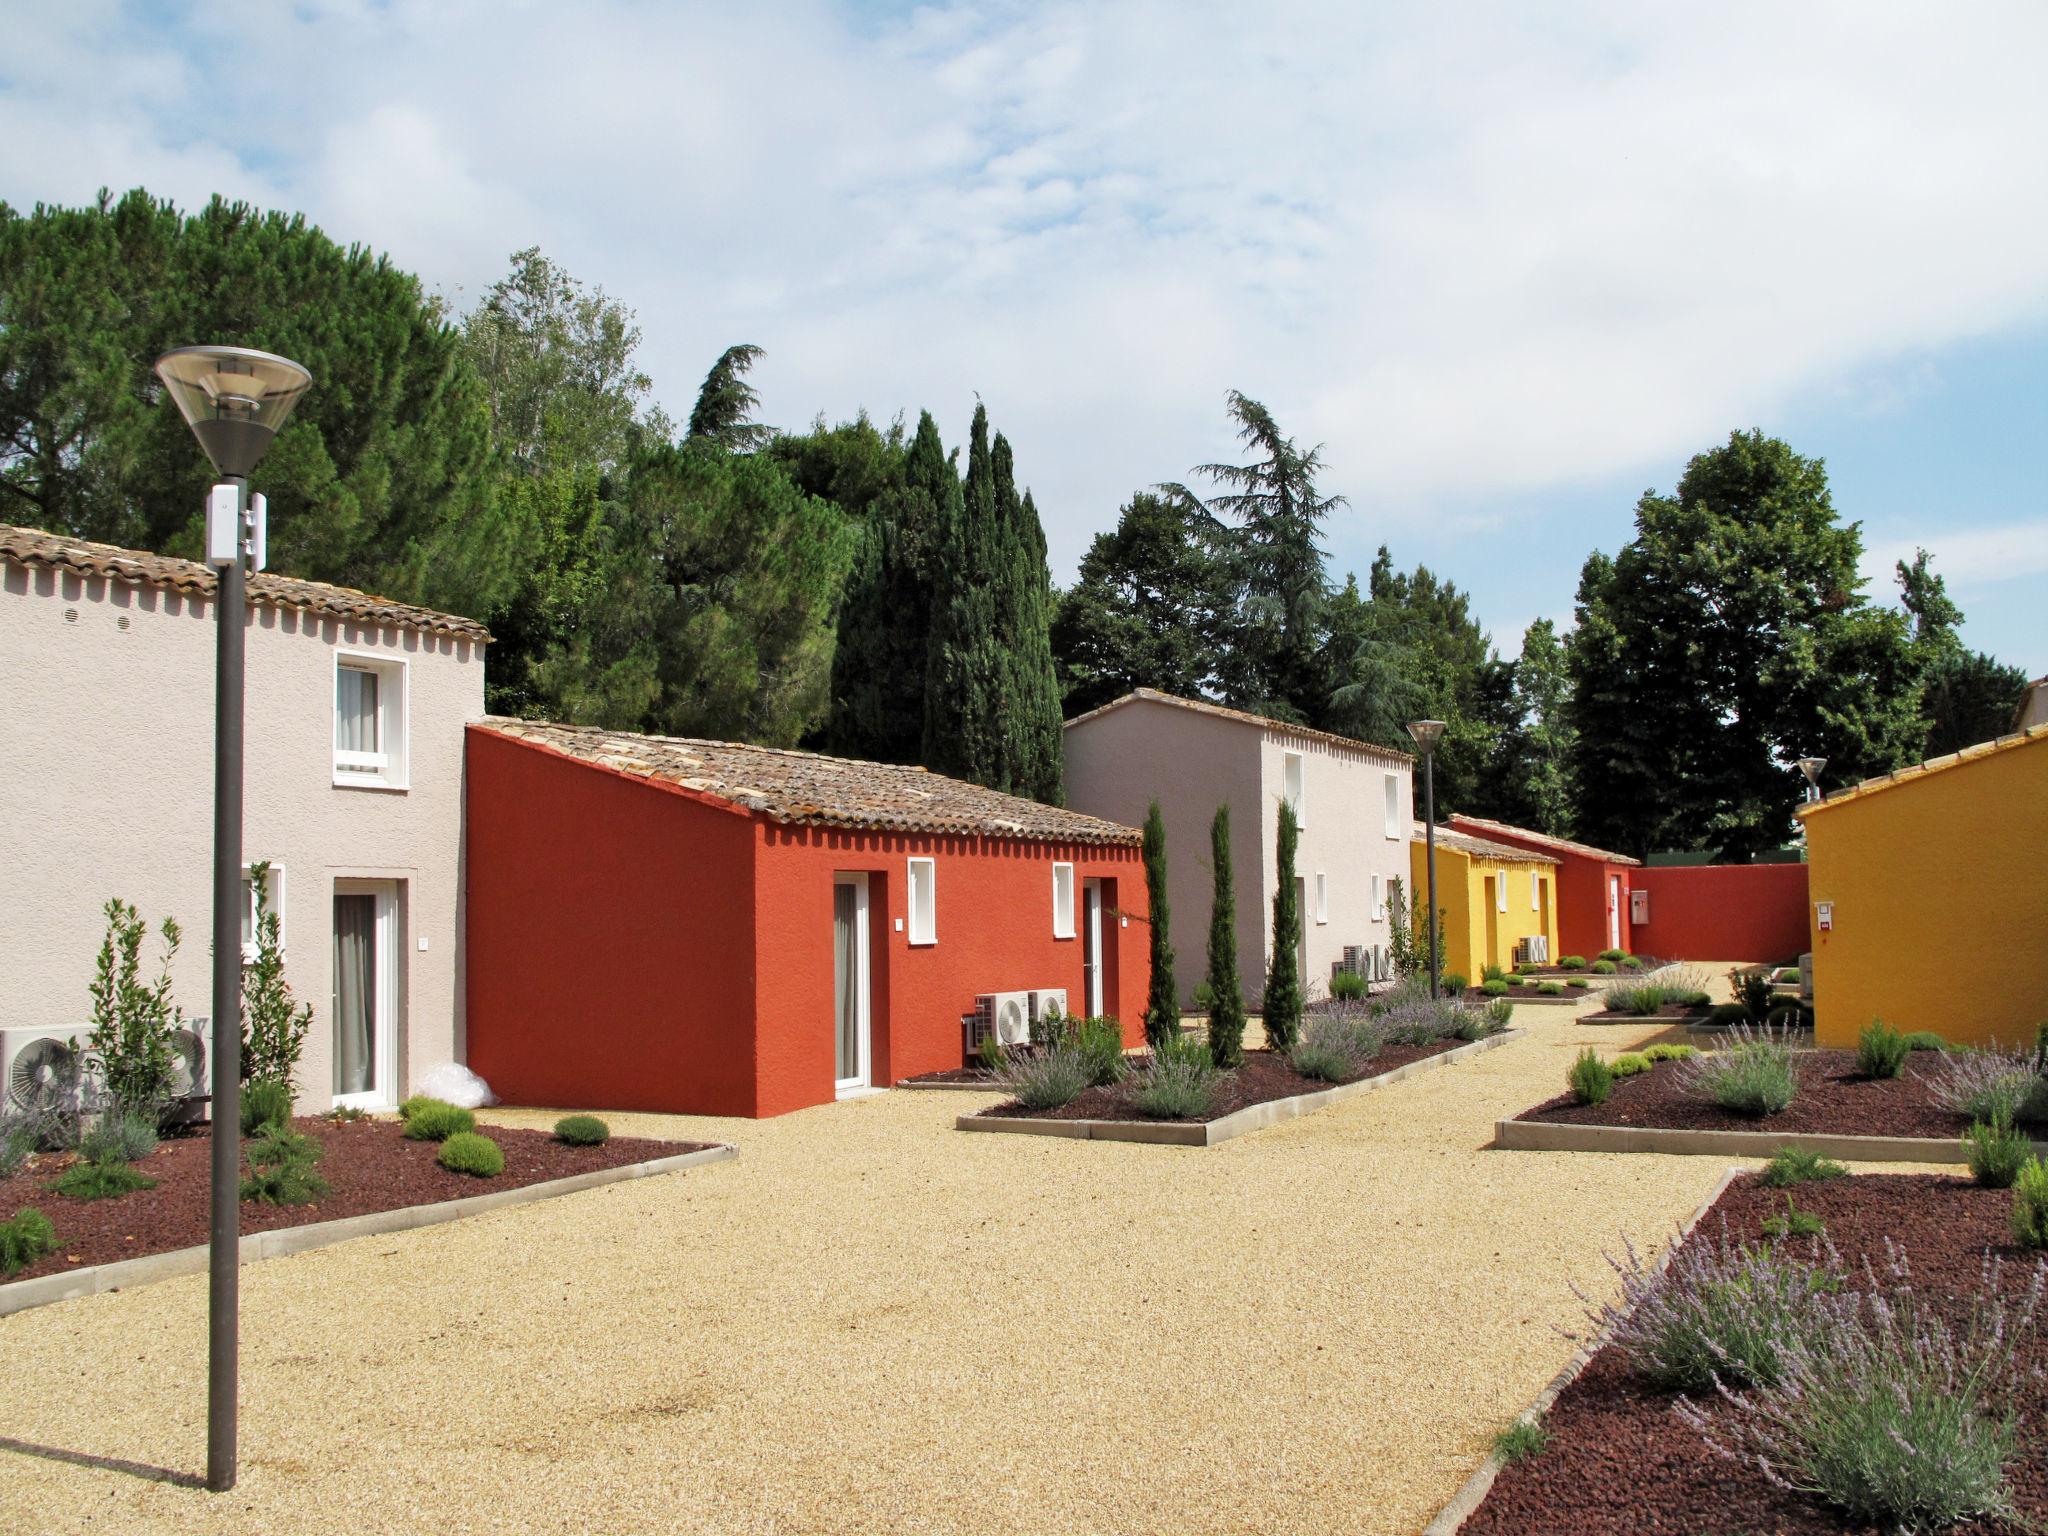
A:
(870, 1322)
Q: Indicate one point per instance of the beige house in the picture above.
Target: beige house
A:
(355, 716)
(1355, 803)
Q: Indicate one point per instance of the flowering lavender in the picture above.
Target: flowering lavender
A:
(1751, 1075)
(1884, 1408)
(1990, 1085)
(1337, 1044)
(1719, 1311)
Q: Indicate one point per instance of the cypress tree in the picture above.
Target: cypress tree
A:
(1226, 998)
(965, 667)
(1162, 1004)
(1283, 970)
(1038, 734)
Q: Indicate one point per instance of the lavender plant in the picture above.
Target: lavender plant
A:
(1178, 1083)
(1720, 1311)
(1046, 1079)
(1338, 1044)
(1751, 1075)
(1989, 1085)
(1883, 1407)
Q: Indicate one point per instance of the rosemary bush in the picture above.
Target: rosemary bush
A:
(1100, 1043)
(25, 1237)
(1997, 1153)
(2030, 1205)
(1590, 1079)
(1794, 1165)
(1751, 1075)
(1881, 1051)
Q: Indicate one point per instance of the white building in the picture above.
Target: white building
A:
(1355, 803)
(355, 716)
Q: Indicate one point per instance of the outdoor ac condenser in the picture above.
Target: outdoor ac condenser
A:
(1047, 1001)
(43, 1069)
(1009, 1015)
(193, 1045)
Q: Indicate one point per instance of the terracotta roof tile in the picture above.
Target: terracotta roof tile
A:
(34, 549)
(1245, 717)
(808, 789)
(1480, 847)
(1544, 839)
(1940, 764)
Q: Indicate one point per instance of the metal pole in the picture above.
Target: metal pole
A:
(222, 1309)
(1429, 836)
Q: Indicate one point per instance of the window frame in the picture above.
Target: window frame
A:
(1294, 784)
(1535, 890)
(926, 933)
(1500, 893)
(276, 884)
(1379, 897)
(392, 768)
(1392, 804)
(1322, 897)
(1063, 924)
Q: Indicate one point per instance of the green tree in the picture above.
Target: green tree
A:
(1033, 728)
(1148, 608)
(1725, 640)
(964, 667)
(1529, 782)
(1162, 1001)
(723, 417)
(1226, 996)
(1966, 696)
(380, 479)
(856, 466)
(1282, 1007)
(274, 1023)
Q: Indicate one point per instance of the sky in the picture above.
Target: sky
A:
(1510, 265)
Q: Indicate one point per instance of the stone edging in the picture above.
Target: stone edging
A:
(1480, 1483)
(1253, 1117)
(951, 1087)
(20, 1295)
(1553, 1136)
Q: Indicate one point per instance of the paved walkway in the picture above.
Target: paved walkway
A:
(870, 1322)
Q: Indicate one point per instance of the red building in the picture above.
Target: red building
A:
(1593, 885)
(711, 928)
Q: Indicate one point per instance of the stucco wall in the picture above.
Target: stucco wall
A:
(1345, 837)
(1583, 894)
(106, 789)
(1118, 763)
(1470, 941)
(1940, 909)
(1749, 912)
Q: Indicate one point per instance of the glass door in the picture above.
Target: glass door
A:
(365, 1011)
(1091, 945)
(850, 981)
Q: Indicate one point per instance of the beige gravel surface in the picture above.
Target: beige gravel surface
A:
(869, 1322)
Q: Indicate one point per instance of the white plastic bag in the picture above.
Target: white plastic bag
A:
(455, 1083)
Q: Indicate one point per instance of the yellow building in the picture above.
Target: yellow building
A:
(1930, 900)
(1493, 897)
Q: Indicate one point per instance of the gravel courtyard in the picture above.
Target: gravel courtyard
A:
(870, 1322)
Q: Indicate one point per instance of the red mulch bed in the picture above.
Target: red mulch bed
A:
(369, 1164)
(1619, 1462)
(1832, 1099)
(1265, 1076)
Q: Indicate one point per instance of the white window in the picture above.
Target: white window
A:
(369, 721)
(1500, 891)
(1290, 786)
(1393, 788)
(1063, 901)
(273, 897)
(1322, 897)
(1535, 890)
(924, 902)
(1379, 899)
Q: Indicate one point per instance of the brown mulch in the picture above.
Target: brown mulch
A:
(369, 1165)
(1832, 1099)
(1668, 1011)
(974, 1075)
(1514, 991)
(1620, 1462)
(1265, 1076)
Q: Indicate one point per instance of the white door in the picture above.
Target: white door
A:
(1091, 944)
(850, 981)
(1614, 911)
(365, 1008)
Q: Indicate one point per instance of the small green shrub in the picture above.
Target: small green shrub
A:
(1881, 1051)
(1602, 967)
(990, 1055)
(1691, 999)
(1786, 973)
(347, 1114)
(1550, 988)
(436, 1120)
(1520, 1440)
(406, 1107)
(1178, 1083)
(1347, 986)
(1494, 987)
(1925, 1040)
(281, 1167)
(20, 1135)
(119, 1136)
(265, 1103)
(1669, 1052)
(1629, 1063)
(1641, 999)
(1047, 1079)
(1997, 1153)
(1572, 963)
(1451, 983)
(85, 1180)
(1795, 1165)
(467, 1152)
(1794, 1223)
(2030, 1205)
(1101, 1044)
(1753, 991)
(1631, 962)
(1577, 981)
(1590, 1078)
(582, 1131)
(1752, 1075)
(25, 1237)
(1613, 955)
(1491, 972)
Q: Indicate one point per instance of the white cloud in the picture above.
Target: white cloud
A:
(1478, 251)
(1964, 557)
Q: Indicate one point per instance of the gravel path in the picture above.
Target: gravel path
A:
(869, 1322)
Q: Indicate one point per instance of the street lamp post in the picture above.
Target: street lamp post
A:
(234, 399)
(1811, 767)
(1427, 734)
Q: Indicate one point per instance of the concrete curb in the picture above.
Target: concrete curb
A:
(123, 1274)
(1207, 1133)
(952, 1087)
(1475, 1488)
(1549, 1136)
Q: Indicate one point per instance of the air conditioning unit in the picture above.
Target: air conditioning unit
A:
(43, 1070)
(1047, 1002)
(1534, 950)
(1009, 1015)
(192, 1045)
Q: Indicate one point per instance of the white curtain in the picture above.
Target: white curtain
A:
(355, 993)
(355, 710)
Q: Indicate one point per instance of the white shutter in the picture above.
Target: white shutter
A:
(924, 902)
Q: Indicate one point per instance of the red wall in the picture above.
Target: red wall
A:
(609, 962)
(632, 945)
(994, 908)
(1581, 892)
(1749, 912)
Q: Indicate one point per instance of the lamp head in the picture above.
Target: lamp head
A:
(1811, 767)
(234, 399)
(1427, 734)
